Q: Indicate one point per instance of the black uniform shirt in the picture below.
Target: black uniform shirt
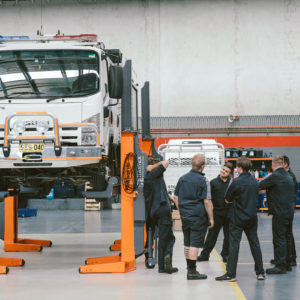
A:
(218, 190)
(155, 190)
(191, 190)
(243, 194)
(280, 190)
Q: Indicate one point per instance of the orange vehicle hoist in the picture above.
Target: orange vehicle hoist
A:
(9, 232)
(133, 167)
(148, 147)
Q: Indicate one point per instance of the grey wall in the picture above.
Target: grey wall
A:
(216, 57)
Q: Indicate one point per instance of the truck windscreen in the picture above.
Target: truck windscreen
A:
(48, 73)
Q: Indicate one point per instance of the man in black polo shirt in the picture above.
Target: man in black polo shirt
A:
(159, 213)
(243, 196)
(192, 195)
(281, 203)
(218, 187)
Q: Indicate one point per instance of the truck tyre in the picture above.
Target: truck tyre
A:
(115, 82)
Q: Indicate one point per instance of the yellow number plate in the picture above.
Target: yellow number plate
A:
(34, 147)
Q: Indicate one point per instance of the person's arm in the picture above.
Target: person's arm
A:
(266, 182)
(229, 195)
(209, 209)
(157, 169)
(176, 193)
(174, 199)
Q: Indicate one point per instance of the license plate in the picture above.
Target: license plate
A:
(31, 147)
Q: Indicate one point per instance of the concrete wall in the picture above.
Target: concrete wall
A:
(216, 57)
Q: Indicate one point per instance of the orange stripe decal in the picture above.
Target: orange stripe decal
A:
(32, 113)
(5, 133)
(56, 132)
(30, 137)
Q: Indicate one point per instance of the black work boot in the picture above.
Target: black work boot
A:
(168, 265)
(193, 274)
(276, 270)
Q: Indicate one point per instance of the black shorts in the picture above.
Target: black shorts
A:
(194, 233)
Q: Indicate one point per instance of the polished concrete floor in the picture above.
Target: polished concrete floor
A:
(76, 235)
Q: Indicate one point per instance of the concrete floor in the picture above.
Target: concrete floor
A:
(76, 235)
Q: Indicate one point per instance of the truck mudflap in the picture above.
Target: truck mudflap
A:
(94, 194)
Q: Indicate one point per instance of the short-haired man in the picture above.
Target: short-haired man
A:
(159, 211)
(281, 203)
(191, 193)
(218, 187)
(243, 195)
(293, 254)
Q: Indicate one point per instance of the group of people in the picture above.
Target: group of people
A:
(225, 203)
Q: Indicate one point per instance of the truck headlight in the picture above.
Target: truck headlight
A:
(42, 126)
(19, 127)
(88, 136)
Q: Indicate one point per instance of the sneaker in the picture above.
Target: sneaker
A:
(273, 262)
(202, 258)
(275, 270)
(195, 275)
(261, 277)
(226, 277)
(288, 268)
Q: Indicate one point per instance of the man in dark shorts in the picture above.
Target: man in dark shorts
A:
(218, 187)
(191, 196)
(159, 213)
(243, 196)
(281, 203)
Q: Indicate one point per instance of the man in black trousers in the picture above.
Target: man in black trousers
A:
(281, 203)
(159, 212)
(243, 196)
(293, 254)
(218, 187)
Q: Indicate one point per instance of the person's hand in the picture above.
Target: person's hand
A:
(171, 198)
(211, 223)
(264, 202)
(165, 163)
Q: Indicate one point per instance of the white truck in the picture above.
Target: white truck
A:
(60, 114)
(179, 153)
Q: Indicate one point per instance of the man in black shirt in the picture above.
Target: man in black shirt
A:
(243, 195)
(281, 203)
(218, 187)
(159, 212)
(191, 194)
(293, 254)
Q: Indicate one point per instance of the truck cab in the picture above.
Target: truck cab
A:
(60, 114)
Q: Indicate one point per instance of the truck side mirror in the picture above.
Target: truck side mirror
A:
(115, 82)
